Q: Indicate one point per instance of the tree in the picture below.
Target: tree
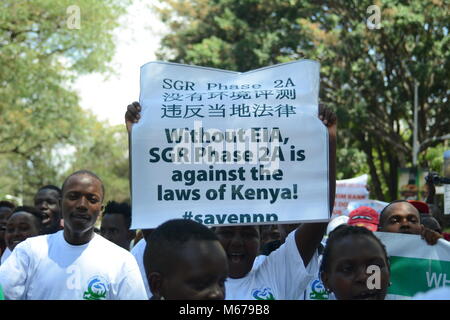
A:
(367, 75)
(105, 152)
(40, 55)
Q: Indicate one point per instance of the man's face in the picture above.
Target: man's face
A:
(241, 244)
(401, 217)
(5, 213)
(199, 273)
(115, 230)
(48, 202)
(21, 225)
(81, 203)
(348, 276)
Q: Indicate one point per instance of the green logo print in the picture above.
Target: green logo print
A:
(318, 291)
(96, 290)
(264, 294)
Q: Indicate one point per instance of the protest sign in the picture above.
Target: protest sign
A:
(223, 147)
(415, 265)
(347, 190)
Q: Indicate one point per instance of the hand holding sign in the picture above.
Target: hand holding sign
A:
(132, 115)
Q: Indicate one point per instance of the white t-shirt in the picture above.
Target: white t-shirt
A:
(279, 276)
(5, 255)
(316, 289)
(138, 253)
(48, 268)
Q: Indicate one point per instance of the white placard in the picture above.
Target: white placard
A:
(208, 137)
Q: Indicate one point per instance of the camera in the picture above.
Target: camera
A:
(434, 178)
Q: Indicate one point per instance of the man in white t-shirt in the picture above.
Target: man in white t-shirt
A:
(75, 263)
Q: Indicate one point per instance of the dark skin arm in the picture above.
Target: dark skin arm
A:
(430, 236)
(309, 235)
(132, 115)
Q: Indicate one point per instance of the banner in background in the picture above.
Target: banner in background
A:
(349, 190)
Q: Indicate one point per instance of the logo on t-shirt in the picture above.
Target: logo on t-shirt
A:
(97, 289)
(264, 294)
(318, 291)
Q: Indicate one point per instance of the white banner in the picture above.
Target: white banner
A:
(349, 190)
(225, 148)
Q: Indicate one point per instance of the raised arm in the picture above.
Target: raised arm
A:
(132, 115)
(309, 235)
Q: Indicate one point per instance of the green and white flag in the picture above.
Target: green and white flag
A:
(415, 265)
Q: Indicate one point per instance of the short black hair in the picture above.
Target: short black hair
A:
(122, 208)
(383, 213)
(33, 211)
(341, 232)
(51, 187)
(84, 172)
(165, 241)
(7, 204)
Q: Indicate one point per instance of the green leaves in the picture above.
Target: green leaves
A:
(40, 56)
(367, 74)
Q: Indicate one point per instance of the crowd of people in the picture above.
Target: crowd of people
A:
(52, 250)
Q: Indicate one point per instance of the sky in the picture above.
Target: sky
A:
(137, 40)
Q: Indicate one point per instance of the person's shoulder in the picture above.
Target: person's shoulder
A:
(110, 248)
(33, 246)
(36, 242)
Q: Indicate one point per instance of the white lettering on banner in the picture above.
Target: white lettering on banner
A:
(224, 142)
(434, 280)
